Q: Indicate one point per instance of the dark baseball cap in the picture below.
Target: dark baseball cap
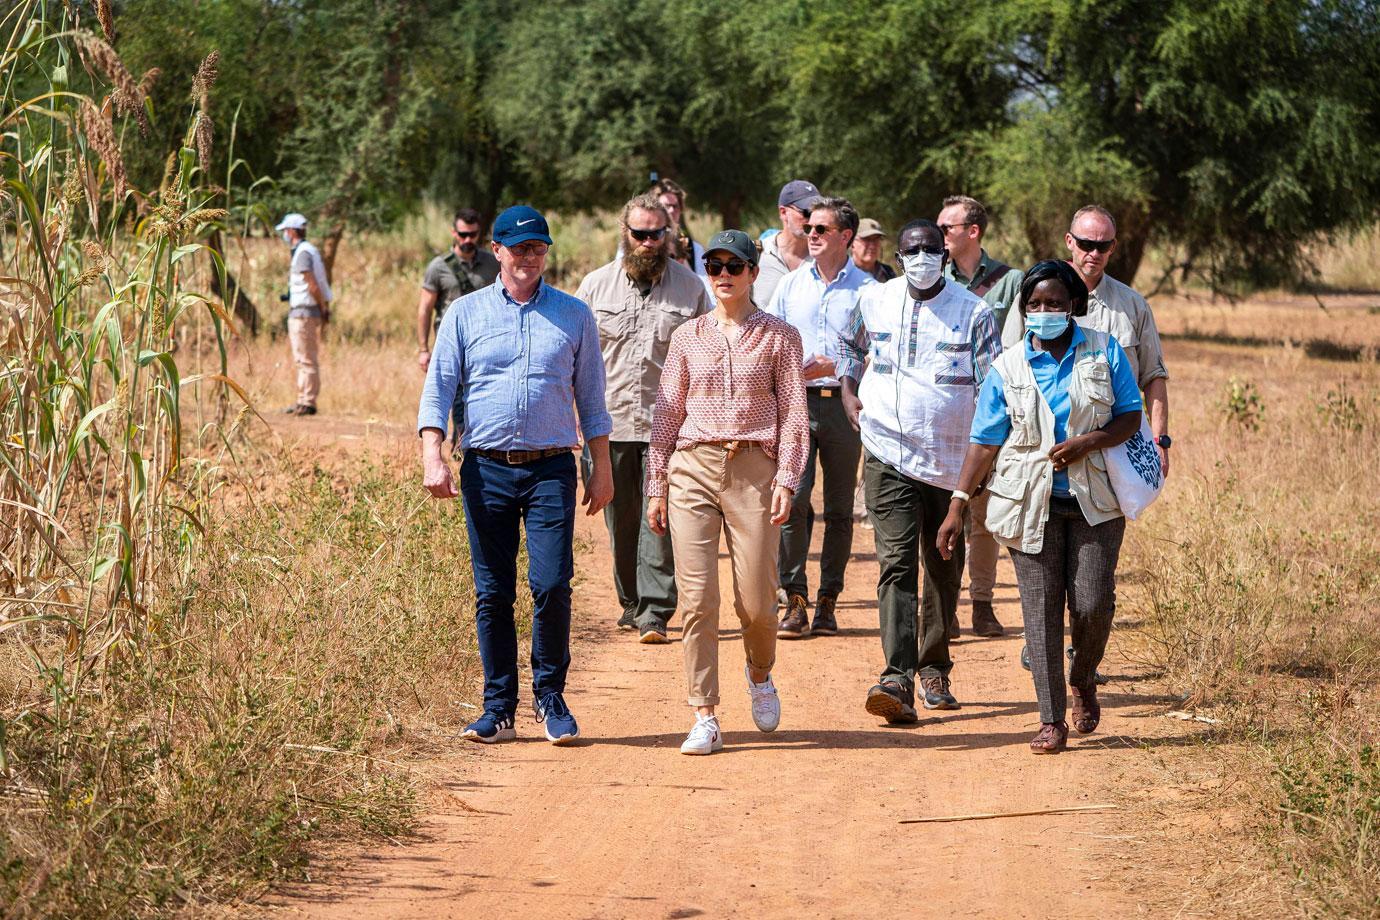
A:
(735, 242)
(798, 193)
(519, 224)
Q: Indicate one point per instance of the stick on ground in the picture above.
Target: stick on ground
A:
(985, 816)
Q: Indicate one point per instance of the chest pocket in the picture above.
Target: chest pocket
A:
(1096, 379)
(1023, 405)
(611, 319)
(669, 319)
(882, 352)
(953, 364)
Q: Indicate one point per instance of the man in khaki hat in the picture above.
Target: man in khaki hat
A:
(867, 250)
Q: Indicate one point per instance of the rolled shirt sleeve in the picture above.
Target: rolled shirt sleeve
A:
(1149, 352)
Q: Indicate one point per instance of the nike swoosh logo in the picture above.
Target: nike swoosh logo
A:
(530, 220)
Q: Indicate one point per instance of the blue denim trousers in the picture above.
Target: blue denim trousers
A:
(541, 497)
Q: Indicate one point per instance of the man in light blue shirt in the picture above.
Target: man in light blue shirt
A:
(525, 354)
(817, 299)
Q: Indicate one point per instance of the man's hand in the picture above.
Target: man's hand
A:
(818, 366)
(436, 475)
(852, 407)
(325, 314)
(951, 531)
(599, 489)
(780, 504)
(423, 359)
(656, 515)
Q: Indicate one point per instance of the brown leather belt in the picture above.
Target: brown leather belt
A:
(822, 392)
(733, 447)
(517, 457)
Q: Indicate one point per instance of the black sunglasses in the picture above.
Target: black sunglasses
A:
(643, 236)
(467, 235)
(821, 229)
(1093, 245)
(916, 250)
(714, 266)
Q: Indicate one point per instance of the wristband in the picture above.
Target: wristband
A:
(961, 495)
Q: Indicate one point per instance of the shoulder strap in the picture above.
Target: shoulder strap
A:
(991, 280)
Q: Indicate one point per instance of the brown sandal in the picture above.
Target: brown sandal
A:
(1087, 711)
(1053, 738)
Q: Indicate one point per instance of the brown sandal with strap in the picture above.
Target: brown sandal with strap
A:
(1053, 738)
(1086, 710)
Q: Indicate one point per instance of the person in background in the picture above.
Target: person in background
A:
(639, 300)
(728, 447)
(783, 252)
(817, 299)
(964, 222)
(1049, 408)
(464, 269)
(683, 247)
(309, 309)
(867, 250)
(528, 358)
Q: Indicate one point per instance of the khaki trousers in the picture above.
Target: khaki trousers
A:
(707, 491)
(982, 552)
(304, 335)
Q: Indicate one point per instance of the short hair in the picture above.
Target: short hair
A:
(1056, 270)
(919, 223)
(647, 201)
(844, 213)
(973, 211)
(668, 187)
(467, 216)
(1094, 209)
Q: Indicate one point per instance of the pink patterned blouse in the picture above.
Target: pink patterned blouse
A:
(750, 390)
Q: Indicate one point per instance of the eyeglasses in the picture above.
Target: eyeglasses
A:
(1093, 245)
(803, 212)
(713, 267)
(818, 229)
(466, 235)
(916, 250)
(643, 236)
(528, 251)
(945, 228)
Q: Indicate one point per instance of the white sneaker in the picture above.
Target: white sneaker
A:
(766, 705)
(705, 737)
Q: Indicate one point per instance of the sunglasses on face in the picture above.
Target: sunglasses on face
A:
(735, 267)
(818, 229)
(1092, 245)
(916, 250)
(534, 251)
(643, 236)
(466, 235)
(945, 228)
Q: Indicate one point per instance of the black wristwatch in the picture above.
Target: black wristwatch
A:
(1164, 441)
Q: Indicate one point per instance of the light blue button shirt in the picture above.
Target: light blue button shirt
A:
(819, 311)
(523, 366)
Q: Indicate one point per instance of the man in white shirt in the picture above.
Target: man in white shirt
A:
(817, 299)
(930, 343)
(309, 308)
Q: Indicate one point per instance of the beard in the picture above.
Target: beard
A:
(643, 267)
(468, 249)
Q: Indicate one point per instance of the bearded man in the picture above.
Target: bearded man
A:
(639, 299)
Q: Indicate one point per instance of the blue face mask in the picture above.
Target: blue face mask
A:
(1047, 326)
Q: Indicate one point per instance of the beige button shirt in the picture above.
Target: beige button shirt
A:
(635, 334)
(1114, 308)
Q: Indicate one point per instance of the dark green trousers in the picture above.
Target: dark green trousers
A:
(643, 570)
(906, 514)
(837, 446)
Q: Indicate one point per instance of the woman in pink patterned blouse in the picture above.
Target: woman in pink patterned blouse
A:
(729, 438)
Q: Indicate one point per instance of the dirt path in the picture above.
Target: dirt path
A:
(801, 822)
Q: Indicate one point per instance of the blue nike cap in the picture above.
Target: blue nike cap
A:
(519, 224)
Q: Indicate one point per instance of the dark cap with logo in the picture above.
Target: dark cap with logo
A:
(735, 242)
(519, 224)
(798, 193)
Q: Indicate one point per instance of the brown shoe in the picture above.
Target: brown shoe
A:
(985, 622)
(1087, 711)
(1053, 738)
(794, 622)
(825, 624)
(951, 626)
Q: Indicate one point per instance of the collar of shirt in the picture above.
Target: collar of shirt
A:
(983, 267)
(1031, 354)
(841, 278)
(536, 295)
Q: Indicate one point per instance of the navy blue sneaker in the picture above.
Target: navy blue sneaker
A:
(490, 727)
(560, 724)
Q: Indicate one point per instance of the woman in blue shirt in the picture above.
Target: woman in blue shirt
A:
(1046, 412)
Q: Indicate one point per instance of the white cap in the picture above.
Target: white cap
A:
(293, 221)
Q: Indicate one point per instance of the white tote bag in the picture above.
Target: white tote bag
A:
(1134, 469)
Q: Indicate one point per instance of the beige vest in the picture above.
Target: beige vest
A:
(1022, 476)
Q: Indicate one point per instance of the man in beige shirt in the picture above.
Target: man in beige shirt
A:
(1117, 309)
(639, 299)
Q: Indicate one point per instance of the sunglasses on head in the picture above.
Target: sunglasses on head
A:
(820, 229)
(714, 266)
(916, 250)
(643, 236)
(1093, 245)
(467, 234)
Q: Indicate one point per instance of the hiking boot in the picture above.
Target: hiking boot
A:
(951, 625)
(1086, 710)
(766, 705)
(825, 624)
(937, 695)
(491, 727)
(1053, 738)
(794, 623)
(892, 702)
(653, 635)
(299, 409)
(560, 724)
(704, 737)
(628, 621)
(985, 622)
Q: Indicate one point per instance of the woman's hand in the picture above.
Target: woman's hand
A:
(1071, 451)
(656, 515)
(780, 504)
(951, 531)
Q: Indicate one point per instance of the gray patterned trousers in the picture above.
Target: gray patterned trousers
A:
(1077, 565)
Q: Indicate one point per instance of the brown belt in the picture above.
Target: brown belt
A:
(733, 447)
(516, 457)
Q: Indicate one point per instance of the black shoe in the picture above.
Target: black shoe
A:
(653, 635)
(825, 624)
(299, 409)
(794, 623)
(628, 620)
(985, 622)
(892, 702)
(937, 695)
